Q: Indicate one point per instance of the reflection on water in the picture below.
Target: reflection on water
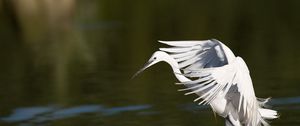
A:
(48, 113)
(44, 114)
(285, 101)
(69, 62)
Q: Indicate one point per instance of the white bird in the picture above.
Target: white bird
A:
(210, 70)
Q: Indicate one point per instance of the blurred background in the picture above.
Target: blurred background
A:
(69, 62)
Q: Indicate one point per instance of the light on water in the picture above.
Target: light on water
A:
(70, 62)
(44, 114)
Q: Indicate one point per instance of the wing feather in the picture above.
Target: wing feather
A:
(176, 49)
(224, 78)
(196, 54)
(183, 43)
(180, 59)
(214, 72)
(179, 55)
(197, 86)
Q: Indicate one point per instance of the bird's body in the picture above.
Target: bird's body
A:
(222, 80)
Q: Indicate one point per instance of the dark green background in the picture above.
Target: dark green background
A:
(84, 52)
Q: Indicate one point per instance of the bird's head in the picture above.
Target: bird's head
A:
(155, 58)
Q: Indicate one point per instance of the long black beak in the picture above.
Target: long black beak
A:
(142, 69)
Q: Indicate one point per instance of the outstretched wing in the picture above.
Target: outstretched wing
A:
(219, 80)
(215, 71)
(192, 55)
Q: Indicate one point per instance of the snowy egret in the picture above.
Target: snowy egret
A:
(210, 70)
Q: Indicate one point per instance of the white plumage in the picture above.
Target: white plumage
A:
(209, 69)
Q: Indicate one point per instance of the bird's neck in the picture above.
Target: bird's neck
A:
(175, 67)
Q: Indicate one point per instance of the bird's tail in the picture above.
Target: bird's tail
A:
(268, 113)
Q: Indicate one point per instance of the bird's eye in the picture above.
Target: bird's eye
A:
(154, 58)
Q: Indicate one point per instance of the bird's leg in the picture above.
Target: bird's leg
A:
(232, 120)
(228, 122)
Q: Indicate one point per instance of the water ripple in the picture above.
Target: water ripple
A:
(42, 114)
(285, 101)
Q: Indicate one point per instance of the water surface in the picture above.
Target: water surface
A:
(72, 66)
